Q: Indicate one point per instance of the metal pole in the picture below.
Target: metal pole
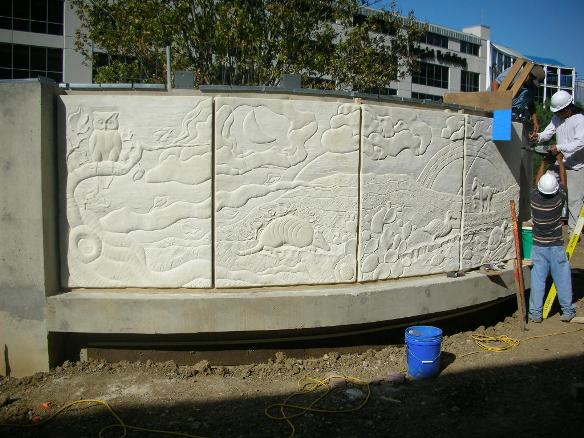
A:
(168, 83)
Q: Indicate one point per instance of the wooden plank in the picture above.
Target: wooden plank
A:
(506, 84)
(521, 78)
(485, 100)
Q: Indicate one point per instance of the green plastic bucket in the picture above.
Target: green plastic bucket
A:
(526, 241)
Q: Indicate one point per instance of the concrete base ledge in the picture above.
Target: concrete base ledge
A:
(168, 312)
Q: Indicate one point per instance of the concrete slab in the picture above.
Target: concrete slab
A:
(491, 181)
(29, 269)
(286, 192)
(137, 173)
(411, 183)
(271, 308)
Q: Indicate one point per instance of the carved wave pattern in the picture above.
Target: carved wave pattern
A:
(138, 192)
(286, 192)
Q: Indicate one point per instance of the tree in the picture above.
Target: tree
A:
(248, 42)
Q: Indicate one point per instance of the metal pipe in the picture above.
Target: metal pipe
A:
(168, 83)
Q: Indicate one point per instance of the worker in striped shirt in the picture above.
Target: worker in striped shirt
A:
(548, 253)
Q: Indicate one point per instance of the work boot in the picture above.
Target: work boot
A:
(567, 318)
(536, 320)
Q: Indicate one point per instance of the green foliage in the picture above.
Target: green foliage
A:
(248, 42)
(544, 114)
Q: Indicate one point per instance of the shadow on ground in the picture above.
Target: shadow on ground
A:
(528, 400)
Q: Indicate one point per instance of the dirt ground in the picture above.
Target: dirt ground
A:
(526, 391)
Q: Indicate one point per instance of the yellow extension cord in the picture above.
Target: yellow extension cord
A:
(120, 423)
(311, 385)
(307, 386)
(486, 343)
(504, 343)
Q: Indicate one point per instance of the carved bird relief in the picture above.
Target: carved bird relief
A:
(105, 143)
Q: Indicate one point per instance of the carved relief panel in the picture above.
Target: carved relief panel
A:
(411, 192)
(286, 175)
(491, 181)
(136, 172)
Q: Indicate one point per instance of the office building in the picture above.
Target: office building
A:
(37, 38)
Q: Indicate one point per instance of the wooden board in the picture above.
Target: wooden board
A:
(521, 78)
(499, 99)
(485, 100)
(506, 84)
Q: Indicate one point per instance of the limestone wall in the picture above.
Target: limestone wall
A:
(201, 191)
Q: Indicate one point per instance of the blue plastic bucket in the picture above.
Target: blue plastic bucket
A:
(424, 345)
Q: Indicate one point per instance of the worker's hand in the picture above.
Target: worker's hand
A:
(533, 136)
(559, 157)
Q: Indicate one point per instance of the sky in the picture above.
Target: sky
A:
(549, 29)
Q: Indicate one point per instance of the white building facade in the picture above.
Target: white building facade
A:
(37, 38)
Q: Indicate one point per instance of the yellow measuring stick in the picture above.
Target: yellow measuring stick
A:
(569, 250)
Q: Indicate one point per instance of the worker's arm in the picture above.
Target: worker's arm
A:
(547, 133)
(563, 176)
(542, 168)
(534, 119)
(494, 85)
(577, 143)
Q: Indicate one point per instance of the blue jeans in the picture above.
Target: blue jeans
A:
(552, 259)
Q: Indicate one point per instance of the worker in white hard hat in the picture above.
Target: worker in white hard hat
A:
(568, 126)
(523, 105)
(548, 253)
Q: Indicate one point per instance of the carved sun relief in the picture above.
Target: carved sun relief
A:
(411, 184)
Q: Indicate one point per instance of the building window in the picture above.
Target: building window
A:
(566, 78)
(21, 62)
(470, 48)
(551, 76)
(539, 94)
(40, 16)
(434, 39)
(380, 91)
(432, 75)
(424, 96)
(469, 81)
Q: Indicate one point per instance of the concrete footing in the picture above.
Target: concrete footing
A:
(144, 312)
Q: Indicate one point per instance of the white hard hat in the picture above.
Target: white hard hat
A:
(548, 184)
(560, 100)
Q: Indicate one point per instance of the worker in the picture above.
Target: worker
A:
(568, 126)
(523, 106)
(548, 253)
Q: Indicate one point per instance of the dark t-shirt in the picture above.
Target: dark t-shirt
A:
(546, 213)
